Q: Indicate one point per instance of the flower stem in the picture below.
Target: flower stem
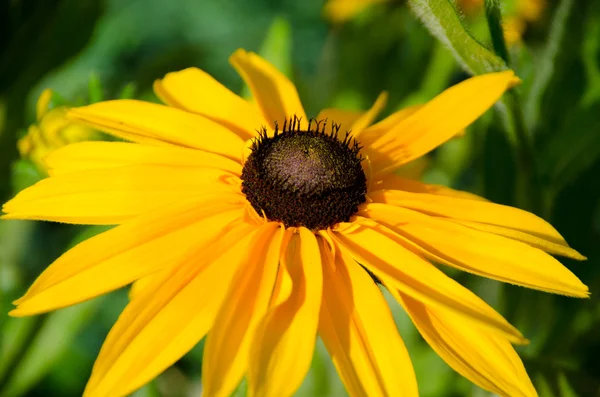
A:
(494, 20)
(528, 187)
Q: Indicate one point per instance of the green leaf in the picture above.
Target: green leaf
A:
(574, 148)
(566, 390)
(436, 78)
(546, 63)
(494, 18)
(128, 91)
(24, 174)
(444, 22)
(95, 92)
(53, 338)
(590, 51)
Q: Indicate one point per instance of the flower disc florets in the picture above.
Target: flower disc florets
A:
(307, 178)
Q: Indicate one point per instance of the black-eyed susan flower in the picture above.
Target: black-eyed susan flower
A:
(52, 131)
(260, 228)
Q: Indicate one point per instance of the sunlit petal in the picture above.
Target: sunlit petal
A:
(94, 155)
(113, 196)
(151, 123)
(440, 119)
(275, 94)
(353, 121)
(196, 91)
(126, 253)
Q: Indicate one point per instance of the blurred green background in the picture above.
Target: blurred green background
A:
(549, 163)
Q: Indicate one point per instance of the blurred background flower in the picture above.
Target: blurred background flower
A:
(60, 45)
(51, 132)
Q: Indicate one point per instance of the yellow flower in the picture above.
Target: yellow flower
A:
(517, 16)
(52, 131)
(343, 10)
(248, 223)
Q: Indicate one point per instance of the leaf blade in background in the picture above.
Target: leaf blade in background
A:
(53, 339)
(546, 64)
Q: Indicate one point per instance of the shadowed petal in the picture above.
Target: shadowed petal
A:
(468, 209)
(370, 245)
(478, 252)
(227, 349)
(283, 347)
(396, 182)
(359, 332)
(184, 300)
(486, 359)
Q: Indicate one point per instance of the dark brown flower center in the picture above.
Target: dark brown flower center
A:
(307, 178)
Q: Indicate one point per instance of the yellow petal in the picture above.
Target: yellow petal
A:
(126, 253)
(146, 122)
(412, 275)
(43, 103)
(227, 349)
(440, 119)
(283, 346)
(544, 245)
(468, 209)
(94, 155)
(353, 121)
(169, 316)
(478, 252)
(397, 182)
(378, 130)
(485, 359)
(415, 169)
(275, 94)
(140, 284)
(344, 118)
(196, 91)
(112, 196)
(359, 332)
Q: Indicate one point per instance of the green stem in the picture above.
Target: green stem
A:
(494, 19)
(528, 184)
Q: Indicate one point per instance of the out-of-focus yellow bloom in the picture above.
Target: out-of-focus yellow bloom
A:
(52, 131)
(516, 19)
(343, 10)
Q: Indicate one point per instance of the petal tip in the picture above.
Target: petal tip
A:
(237, 55)
(514, 81)
(16, 313)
